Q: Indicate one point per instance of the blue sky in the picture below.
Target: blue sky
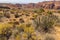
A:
(20, 1)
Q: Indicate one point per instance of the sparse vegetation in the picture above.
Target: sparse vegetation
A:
(25, 24)
(49, 38)
(45, 23)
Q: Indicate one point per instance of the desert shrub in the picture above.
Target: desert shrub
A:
(27, 14)
(12, 12)
(31, 18)
(16, 23)
(49, 12)
(2, 38)
(34, 37)
(29, 29)
(21, 20)
(1, 16)
(7, 15)
(24, 35)
(17, 15)
(20, 29)
(5, 30)
(35, 11)
(58, 11)
(18, 37)
(39, 10)
(29, 37)
(7, 33)
(28, 25)
(49, 38)
(45, 23)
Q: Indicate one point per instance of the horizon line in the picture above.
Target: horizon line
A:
(23, 3)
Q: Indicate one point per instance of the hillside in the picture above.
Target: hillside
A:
(45, 4)
(33, 21)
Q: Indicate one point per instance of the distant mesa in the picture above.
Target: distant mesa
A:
(45, 4)
(4, 7)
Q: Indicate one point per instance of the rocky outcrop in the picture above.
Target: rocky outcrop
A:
(45, 4)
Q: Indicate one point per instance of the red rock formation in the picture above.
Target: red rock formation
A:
(45, 4)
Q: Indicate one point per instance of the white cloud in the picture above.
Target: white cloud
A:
(20, 1)
(10, 1)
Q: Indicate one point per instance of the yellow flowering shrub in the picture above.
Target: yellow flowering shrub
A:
(24, 35)
(29, 29)
(4, 26)
(18, 37)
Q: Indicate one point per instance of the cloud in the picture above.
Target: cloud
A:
(20, 1)
(10, 1)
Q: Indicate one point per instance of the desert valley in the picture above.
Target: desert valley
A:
(32, 21)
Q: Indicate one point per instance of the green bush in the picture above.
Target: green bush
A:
(45, 23)
(49, 12)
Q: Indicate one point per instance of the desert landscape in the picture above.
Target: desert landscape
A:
(32, 21)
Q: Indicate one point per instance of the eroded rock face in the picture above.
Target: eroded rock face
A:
(49, 6)
(45, 4)
(57, 7)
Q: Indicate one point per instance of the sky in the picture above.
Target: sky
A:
(21, 1)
